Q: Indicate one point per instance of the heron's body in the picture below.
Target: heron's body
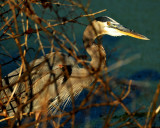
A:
(50, 81)
(41, 74)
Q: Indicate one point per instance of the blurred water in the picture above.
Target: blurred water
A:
(141, 16)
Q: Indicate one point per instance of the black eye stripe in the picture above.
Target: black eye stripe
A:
(103, 19)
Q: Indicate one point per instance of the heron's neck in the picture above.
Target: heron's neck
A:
(97, 52)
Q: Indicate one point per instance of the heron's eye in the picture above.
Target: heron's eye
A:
(108, 23)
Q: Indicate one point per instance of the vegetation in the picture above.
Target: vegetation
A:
(34, 27)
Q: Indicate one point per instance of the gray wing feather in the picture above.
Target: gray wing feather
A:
(41, 71)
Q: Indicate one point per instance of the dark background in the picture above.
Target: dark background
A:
(139, 15)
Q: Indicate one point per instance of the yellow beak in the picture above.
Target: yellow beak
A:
(134, 34)
(128, 32)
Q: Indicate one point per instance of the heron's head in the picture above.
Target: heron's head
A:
(106, 25)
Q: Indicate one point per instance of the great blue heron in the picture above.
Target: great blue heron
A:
(48, 80)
